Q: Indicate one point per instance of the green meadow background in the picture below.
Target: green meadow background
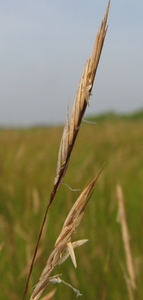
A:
(28, 160)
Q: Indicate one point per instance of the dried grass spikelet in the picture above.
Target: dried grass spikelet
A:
(87, 80)
(81, 101)
(63, 246)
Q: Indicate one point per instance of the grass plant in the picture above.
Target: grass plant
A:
(66, 146)
(27, 163)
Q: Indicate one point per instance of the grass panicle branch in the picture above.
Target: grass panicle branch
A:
(63, 246)
(71, 130)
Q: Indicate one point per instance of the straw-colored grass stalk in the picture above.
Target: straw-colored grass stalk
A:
(70, 133)
(131, 280)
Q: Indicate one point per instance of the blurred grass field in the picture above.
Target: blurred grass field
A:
(28, 160)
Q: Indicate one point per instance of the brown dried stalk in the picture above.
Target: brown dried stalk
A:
(63, 246)
(126, 238)
(70, 131)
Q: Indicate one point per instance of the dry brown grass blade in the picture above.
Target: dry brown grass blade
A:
(126, 238)
(70, 131)
(61, 245)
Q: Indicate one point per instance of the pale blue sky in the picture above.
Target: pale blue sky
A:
(44, 45)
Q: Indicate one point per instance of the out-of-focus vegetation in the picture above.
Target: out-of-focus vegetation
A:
(28, 160)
